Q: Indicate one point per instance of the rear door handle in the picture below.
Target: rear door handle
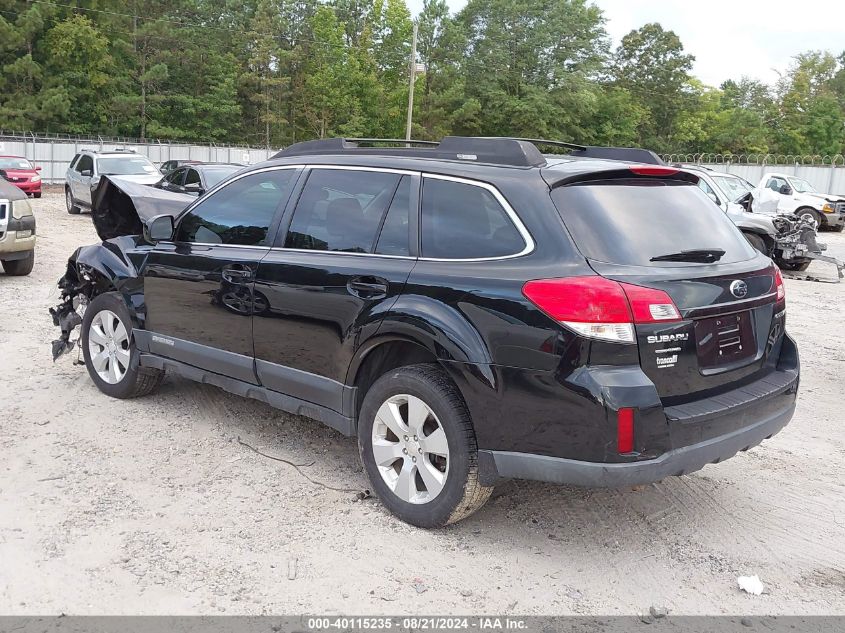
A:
(368, 287)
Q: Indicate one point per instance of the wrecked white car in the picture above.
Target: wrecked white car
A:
(789, 240)
(783, 194)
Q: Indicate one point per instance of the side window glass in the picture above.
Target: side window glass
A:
(463, 221)
(85, 163)
(192, 177)
(239, 213)
(175, 177)
(394, 238)
(706, 188)
(341, 210)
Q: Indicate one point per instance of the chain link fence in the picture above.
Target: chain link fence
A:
(53, 152)
(757, 159)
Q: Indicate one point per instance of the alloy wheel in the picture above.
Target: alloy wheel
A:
(68, 199)
(108, 344)
(410, 449)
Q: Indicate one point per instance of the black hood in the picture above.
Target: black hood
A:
(121, 207)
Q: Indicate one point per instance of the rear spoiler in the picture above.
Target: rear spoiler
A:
(629, 172)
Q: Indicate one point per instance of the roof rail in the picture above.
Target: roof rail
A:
(515, 152)
(493, 150)
(628, 154)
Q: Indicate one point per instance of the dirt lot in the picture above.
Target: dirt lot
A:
(152, 506)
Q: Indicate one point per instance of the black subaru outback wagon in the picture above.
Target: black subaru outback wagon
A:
(469, 309)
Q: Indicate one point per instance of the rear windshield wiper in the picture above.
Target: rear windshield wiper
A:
(703, 255)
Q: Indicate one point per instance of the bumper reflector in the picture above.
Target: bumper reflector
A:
(625, 430)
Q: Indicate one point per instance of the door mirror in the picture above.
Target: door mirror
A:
(785, 190)
(158, 228)
(193, 187)
(86, 172)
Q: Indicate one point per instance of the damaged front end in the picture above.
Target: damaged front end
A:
(92, 270)
(796, 245)
(119, 211)
(76, 290)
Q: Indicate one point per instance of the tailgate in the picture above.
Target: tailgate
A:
(721, 338)
(663, 233)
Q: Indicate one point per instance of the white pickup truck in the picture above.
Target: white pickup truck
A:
(782, 194)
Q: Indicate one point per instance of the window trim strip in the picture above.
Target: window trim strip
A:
(530, 245)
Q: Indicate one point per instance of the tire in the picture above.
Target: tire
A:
(70, 203)
(114, 378)
(19, 267)
(837, 229)
(460, 493)
(36, 195)
(757, 242)
(812, 214)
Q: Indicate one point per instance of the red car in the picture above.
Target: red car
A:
(21, 173)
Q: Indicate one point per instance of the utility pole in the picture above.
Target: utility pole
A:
(412, 79)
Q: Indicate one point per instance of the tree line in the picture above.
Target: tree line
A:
(273, 72)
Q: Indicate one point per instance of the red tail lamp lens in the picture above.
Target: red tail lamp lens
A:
(651, 306)
(600, 308)
(580, 299)
(779, 287)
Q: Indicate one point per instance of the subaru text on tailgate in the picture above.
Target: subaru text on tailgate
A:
(468, 310)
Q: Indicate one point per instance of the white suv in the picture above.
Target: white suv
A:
(88, 166)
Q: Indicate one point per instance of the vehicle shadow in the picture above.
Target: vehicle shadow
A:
(678, 507)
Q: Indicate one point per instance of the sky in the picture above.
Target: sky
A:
(729, 38)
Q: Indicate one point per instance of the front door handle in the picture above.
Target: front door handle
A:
(368, 287)
(238, 274)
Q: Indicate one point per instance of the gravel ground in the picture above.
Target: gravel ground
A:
(152, 506)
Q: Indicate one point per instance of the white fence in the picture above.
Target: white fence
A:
(53, 155)
(825, 178)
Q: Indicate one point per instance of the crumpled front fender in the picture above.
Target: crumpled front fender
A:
(91, 271)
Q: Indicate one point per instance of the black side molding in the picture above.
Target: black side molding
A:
(342, 423)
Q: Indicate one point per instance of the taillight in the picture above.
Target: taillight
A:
(600, 308)
(779, 287)
(652, 170)
(625, 430)
(650, 305)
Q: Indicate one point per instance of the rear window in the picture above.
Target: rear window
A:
(629, 222)
(126, 166)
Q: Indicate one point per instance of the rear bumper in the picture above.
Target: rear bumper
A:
(680, 461)
(671, 440)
